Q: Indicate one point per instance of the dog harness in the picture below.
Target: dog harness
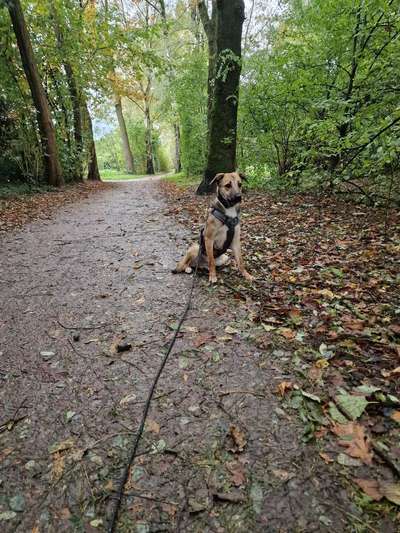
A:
(230, 223)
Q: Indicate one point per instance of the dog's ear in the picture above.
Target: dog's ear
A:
(243, 176)
(217, 177)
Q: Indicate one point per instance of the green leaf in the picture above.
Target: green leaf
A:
(353, 406)
(335, 414)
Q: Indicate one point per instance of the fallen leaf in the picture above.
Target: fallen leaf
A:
(287, 333)
(389, 373)
(353, 438)
(370, 487)
(391, 491)
(395, 416)
(283, 387)
(231, 497)
(238, 438)
(345, 460)
(5, 452)
(202, 339)
(57, 469)
(230, 330)
(327, 458)
(238, 473)
(61, 446)
(152, 426)
(283, 475)
(353, 406)
(127, 399)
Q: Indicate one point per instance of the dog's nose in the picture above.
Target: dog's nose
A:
(238, 197)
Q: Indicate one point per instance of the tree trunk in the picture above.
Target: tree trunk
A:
(47, 134)
(93, 168)
(149, 141)
(178, 164)
(73, 94)
(224, 34)
(126, 148)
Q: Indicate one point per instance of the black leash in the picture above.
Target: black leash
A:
(124, 479)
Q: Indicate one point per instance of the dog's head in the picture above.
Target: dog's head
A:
(229, 187)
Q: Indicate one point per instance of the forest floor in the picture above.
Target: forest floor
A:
(259, 422)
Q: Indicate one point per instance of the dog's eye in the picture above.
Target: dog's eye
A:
(240, 185)
(228, 185)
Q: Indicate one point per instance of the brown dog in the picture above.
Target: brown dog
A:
(221, 231)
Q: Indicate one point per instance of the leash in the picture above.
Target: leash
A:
(132, 456)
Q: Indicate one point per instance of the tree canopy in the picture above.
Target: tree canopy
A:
(318, 105)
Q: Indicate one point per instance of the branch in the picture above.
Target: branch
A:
(371, 140)
(134, 101)
(153, 6)
(205, 19)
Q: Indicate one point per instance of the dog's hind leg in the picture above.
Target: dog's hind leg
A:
(188, 261)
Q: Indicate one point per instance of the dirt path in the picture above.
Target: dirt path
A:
(219, 454)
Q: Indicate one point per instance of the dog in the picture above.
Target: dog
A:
(221, 231)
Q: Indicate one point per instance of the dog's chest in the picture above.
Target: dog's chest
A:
(220, 237)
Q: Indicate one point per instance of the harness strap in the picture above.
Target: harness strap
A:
(230, 222)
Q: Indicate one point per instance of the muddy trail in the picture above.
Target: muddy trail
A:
(88, 305)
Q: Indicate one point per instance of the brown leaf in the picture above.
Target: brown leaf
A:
(238, 473)
(354, 439)
(153, 426)
(370, 487)
(202, 339)
(389, 373)
(326, 457)
(238, 438)
(395, 416)
(283, 475)
(287, 333)
(61, 446)
(283, 387)
(5, 452)
(58, 466)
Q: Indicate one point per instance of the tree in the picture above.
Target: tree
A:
(126, 147)
(47, 133)
(224, 35)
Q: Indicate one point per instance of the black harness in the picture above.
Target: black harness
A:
(230, 223)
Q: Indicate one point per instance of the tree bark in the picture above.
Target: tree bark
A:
(126, 148)
(93, 168)
(149, 141)
(178, 163)
(47, 134)
(74, 96)
(224, 34)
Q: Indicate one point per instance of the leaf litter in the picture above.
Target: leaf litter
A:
(327, 292)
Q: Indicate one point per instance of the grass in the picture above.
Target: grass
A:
(111, 175)
(182, 180)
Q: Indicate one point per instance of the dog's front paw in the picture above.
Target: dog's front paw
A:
(212, 278)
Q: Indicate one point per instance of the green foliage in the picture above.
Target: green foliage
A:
(316, 102)
(109, 149)
(190, 90)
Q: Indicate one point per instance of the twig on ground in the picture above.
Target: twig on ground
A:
(253, 393)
